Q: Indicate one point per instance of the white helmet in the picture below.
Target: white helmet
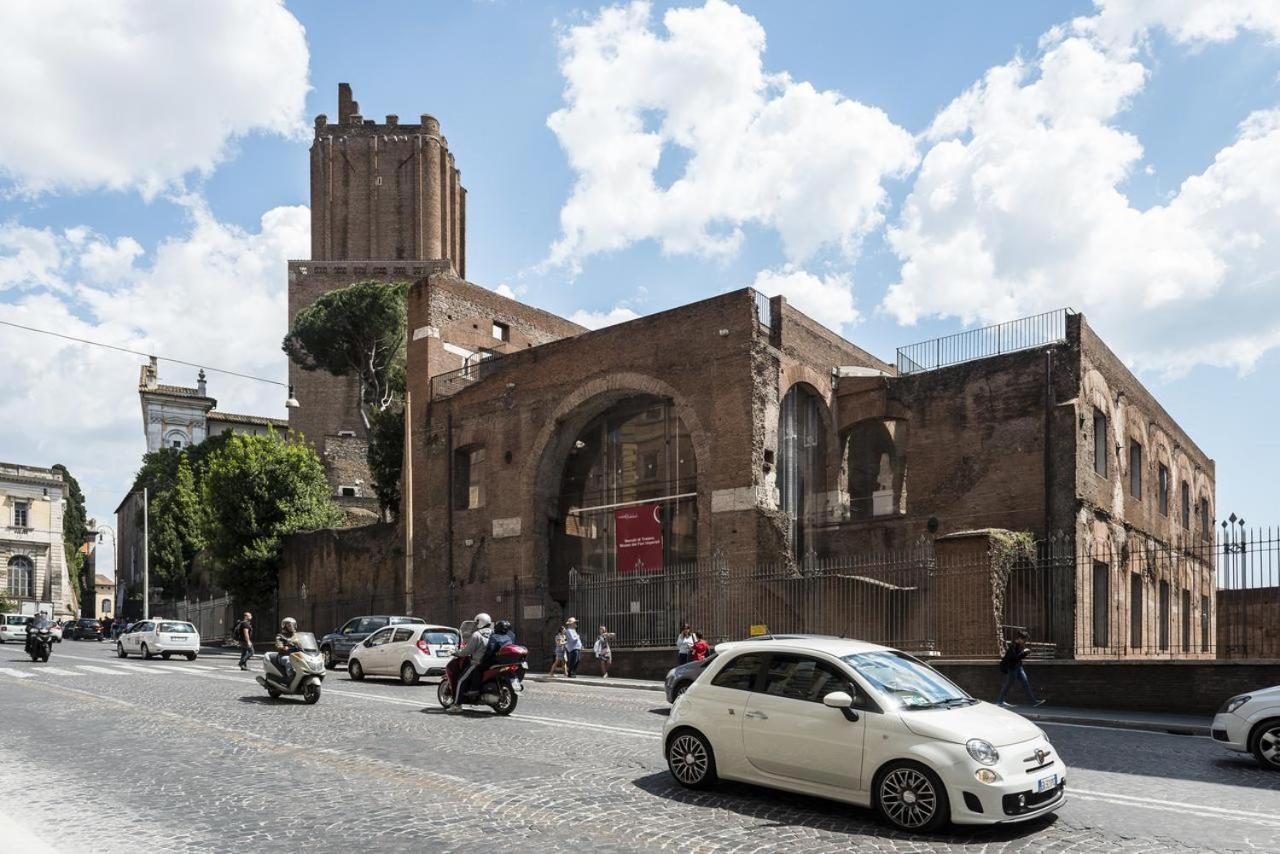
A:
(483, 620)
(289, 622)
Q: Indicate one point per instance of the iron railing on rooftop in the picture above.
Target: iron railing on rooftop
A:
(1025, 333)
(450, 383)
(764, 309)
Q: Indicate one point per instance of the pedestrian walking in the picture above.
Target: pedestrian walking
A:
(1011, 666)
(603, 651)
(560, 662)
(700, 648)
(244, 635)
(572, 646)
(684, 645)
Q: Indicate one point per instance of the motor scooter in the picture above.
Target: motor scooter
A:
(499, 685)
(308, 670)
(40, 643)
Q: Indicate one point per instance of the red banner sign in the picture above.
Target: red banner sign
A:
(638, 534)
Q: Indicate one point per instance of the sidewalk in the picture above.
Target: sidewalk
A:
(1112, 718)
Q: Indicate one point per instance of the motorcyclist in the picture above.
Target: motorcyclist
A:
(285, 645)
(474, 653)
(34, 624)
(503, 634)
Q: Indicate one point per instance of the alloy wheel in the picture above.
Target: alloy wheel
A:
(408, 674)
(688, 759)
(1268, 749)
(908, 798)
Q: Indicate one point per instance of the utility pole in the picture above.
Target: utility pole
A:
(146, 559)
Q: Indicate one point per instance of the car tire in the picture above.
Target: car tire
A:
(311, 694)
(1264, 744)
(191, 656)
(678, 691)
(146, 653)
(691, 760)
(165, 656)
(409, 673)
(329, 662)
(910, 797)
(120, 653)
(355, 671)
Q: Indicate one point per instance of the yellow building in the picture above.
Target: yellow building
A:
(104, 597)
(33, 565)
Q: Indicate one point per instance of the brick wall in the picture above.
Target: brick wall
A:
(332, 575)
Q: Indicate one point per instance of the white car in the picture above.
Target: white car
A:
(863, 724)
(165, 638)
(13, 628)
(1250, 723)
(408, 651)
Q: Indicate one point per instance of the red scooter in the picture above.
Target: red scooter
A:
(499, 686)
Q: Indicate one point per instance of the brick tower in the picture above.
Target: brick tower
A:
(387, 204)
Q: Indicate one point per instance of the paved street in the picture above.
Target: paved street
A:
(179, 756)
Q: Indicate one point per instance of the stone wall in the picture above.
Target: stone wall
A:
(329, 576)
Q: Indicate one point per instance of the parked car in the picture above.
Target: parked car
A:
(82, 630)
(337, 645)
(680, 677)
(408, 651)
(864, 724)
(13, 628)
(162, 637)
(1250, 723)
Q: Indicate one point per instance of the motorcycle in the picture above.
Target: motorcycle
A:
(40, 643)
(308, 670)
(499, 685)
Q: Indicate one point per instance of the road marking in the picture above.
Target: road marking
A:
(17, 674)
(57, 671)
(1199, 809)
(105, 670)
(1117, 802)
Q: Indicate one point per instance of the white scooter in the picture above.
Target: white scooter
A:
(308, 670)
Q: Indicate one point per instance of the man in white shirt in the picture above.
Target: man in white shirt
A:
(572, 645)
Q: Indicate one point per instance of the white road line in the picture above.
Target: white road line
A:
(1264, 821)
(104, 670)
(17, 674)
(58, 671)
(1181, 805)
(1120, 729)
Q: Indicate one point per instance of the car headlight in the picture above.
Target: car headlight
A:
(982, 751)
(1235, 703)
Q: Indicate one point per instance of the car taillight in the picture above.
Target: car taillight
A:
(422, 645)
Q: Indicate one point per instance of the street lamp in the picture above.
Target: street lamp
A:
(291, 402)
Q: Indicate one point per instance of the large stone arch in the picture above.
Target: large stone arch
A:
(542, 469)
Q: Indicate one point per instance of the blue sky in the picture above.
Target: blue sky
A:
(117, 227)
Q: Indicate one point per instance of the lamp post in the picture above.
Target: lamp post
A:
(115, 556)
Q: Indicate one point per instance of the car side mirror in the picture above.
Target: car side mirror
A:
(838, 700)
(367, 643)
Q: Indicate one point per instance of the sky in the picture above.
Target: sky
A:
(897, 170)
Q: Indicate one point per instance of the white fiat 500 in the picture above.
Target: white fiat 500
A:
(864, 724)
(1250, 723)
(408, 651)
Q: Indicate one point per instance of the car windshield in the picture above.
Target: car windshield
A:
(448, 638)
(305, 641)
(908, 682)
(177, 628)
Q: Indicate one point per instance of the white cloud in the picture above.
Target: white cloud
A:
(1018, 207)
(130, 94)
(505, 290)
(215, 294)
(29, 257)
(760, 149)
(1120, 24)
(827, 299)
(599, 319)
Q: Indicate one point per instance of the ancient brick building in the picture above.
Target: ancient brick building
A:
(736, 433)
(387, 204)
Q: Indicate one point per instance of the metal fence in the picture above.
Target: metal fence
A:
(1201, 600)
(213, 618)
(450, 383)
(1022, 334)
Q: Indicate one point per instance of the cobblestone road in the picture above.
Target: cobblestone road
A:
(178, 756)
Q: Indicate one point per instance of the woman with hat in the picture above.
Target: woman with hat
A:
(572, 645)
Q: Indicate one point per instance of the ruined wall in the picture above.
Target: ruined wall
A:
(328, 576)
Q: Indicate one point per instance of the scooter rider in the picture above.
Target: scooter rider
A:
(34, 624)
(503, 634)
(474, 653)
(284, 646)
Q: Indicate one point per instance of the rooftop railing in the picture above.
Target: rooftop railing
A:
(1025, 333)
(451, 382)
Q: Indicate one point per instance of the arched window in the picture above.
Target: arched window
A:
(176, 439)
(877, 468)
(106, 606)
(628, 493)
(22, 577)
(802, 464)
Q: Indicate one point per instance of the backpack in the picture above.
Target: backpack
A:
(238, 632)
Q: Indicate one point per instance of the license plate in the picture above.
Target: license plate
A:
(1044, 784)
(524, 665)
(443, 653)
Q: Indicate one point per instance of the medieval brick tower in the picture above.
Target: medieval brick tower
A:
(387, 204)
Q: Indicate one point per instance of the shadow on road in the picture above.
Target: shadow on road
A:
(664, 711)
(758, 802)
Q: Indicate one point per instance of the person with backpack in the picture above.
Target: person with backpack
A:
(1011, 666)
(244, 636)
(603, 652)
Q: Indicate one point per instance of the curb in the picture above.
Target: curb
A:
(1114, 723)
(589, 682)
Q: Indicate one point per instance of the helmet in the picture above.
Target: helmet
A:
(483, 620)
(288, 625)
(502, 627)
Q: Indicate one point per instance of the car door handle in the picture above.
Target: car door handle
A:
(760, 716)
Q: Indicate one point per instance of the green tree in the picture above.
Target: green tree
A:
(75, 533)
(256, 491)
(174, 517)
(359, 331)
